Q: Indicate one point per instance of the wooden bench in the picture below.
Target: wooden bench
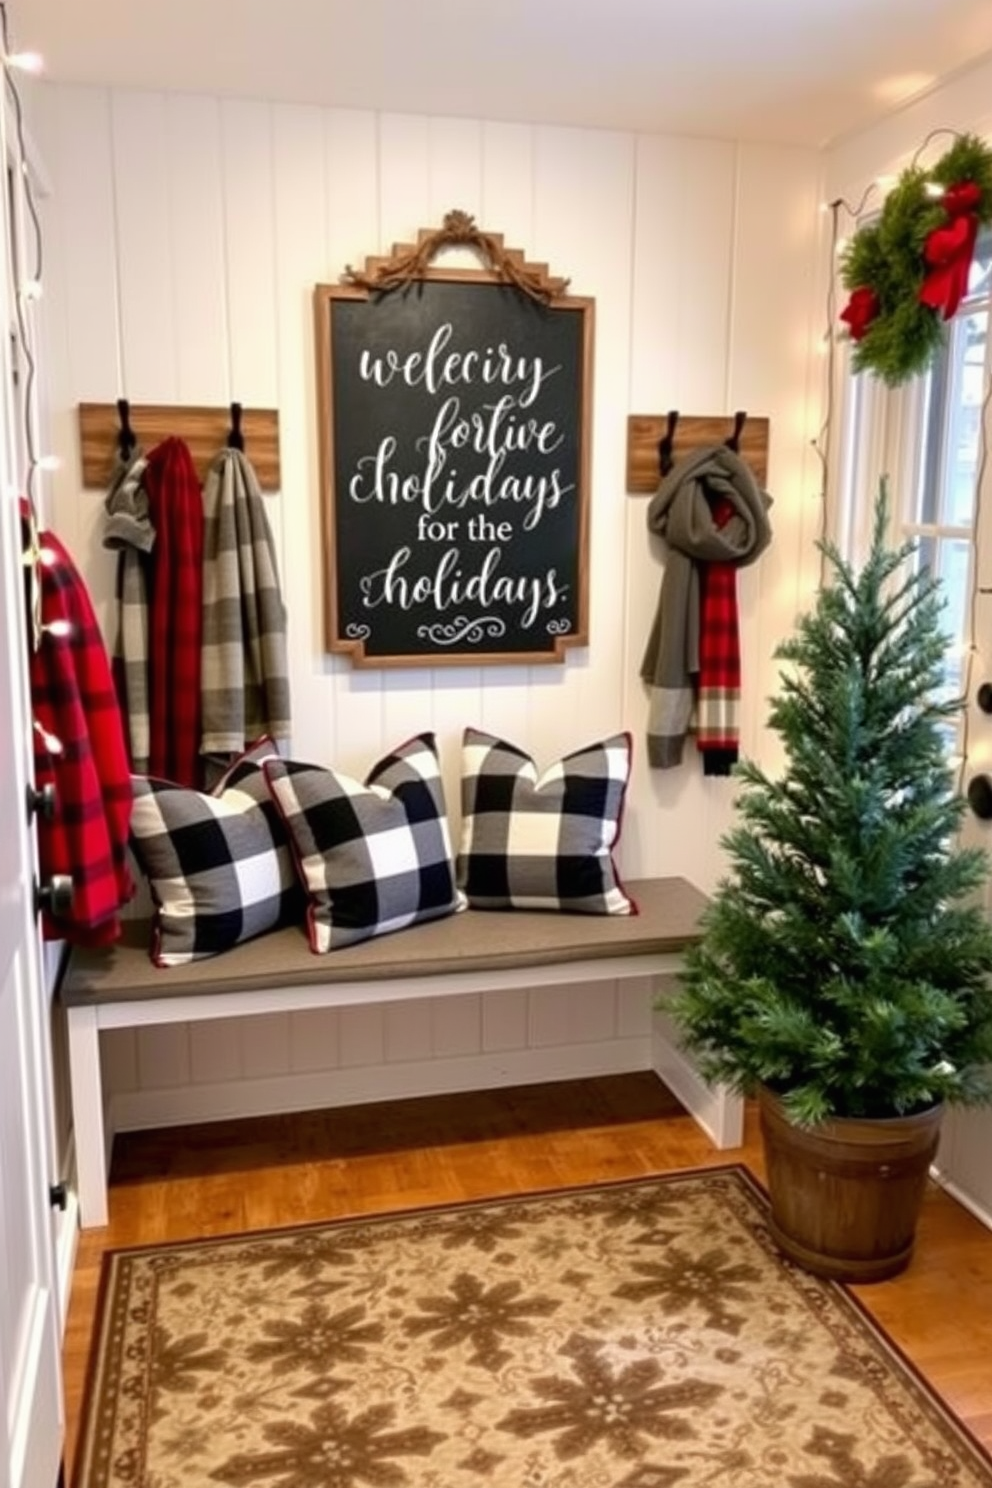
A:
(472, 952)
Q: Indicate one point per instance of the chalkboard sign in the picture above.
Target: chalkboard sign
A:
(454, 416)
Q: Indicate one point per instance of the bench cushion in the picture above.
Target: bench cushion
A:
(667, 921)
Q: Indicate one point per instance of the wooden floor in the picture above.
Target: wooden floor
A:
(237, 1176)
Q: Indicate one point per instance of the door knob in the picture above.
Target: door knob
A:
(55, 895)
(980, 796)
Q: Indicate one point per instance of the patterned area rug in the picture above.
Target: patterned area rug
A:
(636, 1335)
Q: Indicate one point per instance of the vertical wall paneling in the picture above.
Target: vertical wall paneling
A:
(80, 275)
(313, 1040)
(299, 208)
(193, 147)
(507, 207)
(119, 1058)
(214, 1051)
(456, 1026)
(250, 250)
(164, 1057)
(249, 231)
(265, 1046)
(362, 1039)
(773, 336)
(504, 1021)
(145, 269)
(680, 313)
(82, 341)
(582, 226)
(407, 1032)
(352, 722)
(191, 231)
(587, 1012)
(454, 181)
(404, 205)
(634, 1001)
(76, 140)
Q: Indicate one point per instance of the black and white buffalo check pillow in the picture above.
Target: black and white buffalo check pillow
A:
(374, 857)
(531, 842)
(220, 866)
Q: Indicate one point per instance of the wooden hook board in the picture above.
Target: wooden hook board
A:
(692, 432)
(204, 430)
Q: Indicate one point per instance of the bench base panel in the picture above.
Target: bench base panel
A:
(138, 1065)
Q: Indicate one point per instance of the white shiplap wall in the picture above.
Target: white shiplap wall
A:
(964, 104)
(186, 234)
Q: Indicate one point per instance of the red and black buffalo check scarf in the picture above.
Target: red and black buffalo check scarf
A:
(718, 693)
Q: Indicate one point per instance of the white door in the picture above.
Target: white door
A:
(30, 1378)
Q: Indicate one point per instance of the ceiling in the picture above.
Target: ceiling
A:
(790, 71)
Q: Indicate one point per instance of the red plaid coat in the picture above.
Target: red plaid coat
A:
(74, 702)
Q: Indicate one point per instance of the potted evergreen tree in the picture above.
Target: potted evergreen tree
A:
(843, 970)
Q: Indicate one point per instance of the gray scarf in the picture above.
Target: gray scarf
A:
(681, 513)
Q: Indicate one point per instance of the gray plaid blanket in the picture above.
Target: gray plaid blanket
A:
(244, 673)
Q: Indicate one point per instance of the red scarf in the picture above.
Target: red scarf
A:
(719, 683)
(175, 603)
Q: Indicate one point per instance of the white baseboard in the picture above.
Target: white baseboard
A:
(142, 1110)
(961, 1196)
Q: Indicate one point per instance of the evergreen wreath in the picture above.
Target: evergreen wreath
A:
(907, 271)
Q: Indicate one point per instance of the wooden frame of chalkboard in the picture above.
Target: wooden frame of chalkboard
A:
(454, 417)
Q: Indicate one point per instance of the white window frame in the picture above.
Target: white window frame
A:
(890, 434)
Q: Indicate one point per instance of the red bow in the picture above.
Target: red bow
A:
(949, 250)
(860, 311)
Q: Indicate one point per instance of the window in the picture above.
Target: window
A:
(927, 438)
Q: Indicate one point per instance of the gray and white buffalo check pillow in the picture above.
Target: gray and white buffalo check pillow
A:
(542, 842)
(374, 857)
(219, 866)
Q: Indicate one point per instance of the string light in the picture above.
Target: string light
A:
(51, 743)
(58, 628)
(31, 62)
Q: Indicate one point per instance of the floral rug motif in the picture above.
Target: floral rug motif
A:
(634, 1335)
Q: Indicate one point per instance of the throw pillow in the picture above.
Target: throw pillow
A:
(373, 857)
(219, 866)
(531, 842)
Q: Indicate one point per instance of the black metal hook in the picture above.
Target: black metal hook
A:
(666, 444)
(235, 438)
(734, 442)
(126, 437)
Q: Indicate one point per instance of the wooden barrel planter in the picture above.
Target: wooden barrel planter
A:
(846, 1195)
